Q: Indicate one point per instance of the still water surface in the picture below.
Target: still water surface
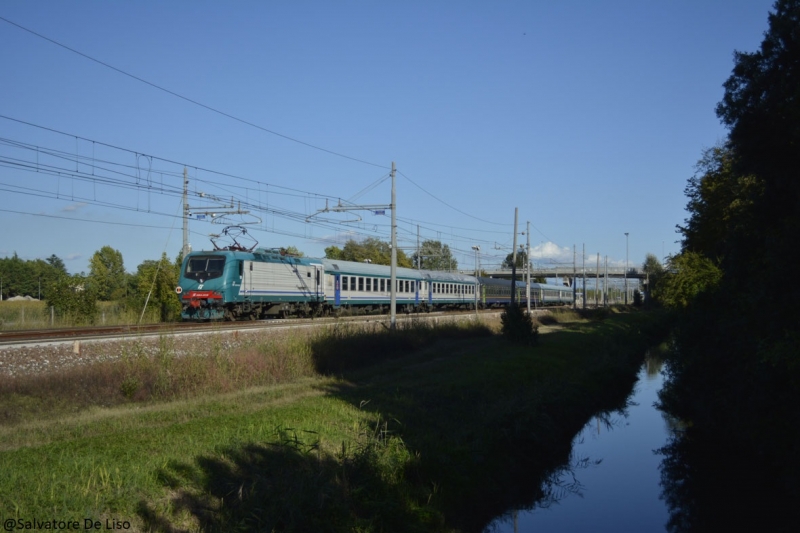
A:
(613, 482)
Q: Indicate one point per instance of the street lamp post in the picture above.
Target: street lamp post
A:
(626, 268)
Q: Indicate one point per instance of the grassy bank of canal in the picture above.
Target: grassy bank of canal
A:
(442, 434)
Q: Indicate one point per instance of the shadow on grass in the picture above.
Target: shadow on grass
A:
(473, 434)
(493, 425)
(290, 486)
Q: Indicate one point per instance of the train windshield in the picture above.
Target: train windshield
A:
(204, 267)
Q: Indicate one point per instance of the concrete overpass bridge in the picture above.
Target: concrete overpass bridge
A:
(566, 274)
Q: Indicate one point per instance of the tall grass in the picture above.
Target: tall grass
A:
(149, 372)
(37, 315)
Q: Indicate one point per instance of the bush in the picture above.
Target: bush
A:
(73, 298)
(518, 326)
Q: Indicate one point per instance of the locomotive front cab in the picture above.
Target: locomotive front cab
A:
(202, 287)
(204, 267)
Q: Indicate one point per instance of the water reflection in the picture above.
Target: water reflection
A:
(710, 484)
(611, 481)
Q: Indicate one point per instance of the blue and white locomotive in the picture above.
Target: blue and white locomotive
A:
(239, 284)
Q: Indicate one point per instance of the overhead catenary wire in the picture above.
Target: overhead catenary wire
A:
(187, 99)
(104, 171)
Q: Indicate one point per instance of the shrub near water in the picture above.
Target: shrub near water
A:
(518, 326)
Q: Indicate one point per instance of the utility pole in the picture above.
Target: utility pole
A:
(185, 249)
(188, 211)
(393, 206)
(605, 286)
(574, 277)
(393, 292)
(419, 258)
(583, 262)
(626, 268)
(597, 282)
(528, 265)
(514, 261)
(477, 285)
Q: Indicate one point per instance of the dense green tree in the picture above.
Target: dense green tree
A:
(721, 205)
(374, 250)
(522, 255)
(56, 262)
(29, 277)
(333, 252)
(689, 274)
(155, 287)
(107, 273)
(433, 255)
(736, 324)
(73, 299)
(293, 250)
(654, 271)
(761, 106)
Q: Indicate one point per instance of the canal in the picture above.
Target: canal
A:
(611, 483)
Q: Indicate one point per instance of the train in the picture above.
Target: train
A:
(241, 284)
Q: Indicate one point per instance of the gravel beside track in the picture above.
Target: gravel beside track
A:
(52, 357)
(43, 357)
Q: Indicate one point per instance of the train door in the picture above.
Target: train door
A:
(416, 292)
(247, 278)
(337, 290)
(319, 281)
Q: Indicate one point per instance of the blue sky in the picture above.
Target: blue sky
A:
(588, 116)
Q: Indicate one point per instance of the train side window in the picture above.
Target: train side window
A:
(344, 283)
(369, 284)
(241, 268)
(361, 284)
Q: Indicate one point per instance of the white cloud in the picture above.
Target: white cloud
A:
(340, 238)
(73, 257)
(551, 251)
(73, 207)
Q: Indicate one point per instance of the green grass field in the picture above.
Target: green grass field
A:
(411, 432)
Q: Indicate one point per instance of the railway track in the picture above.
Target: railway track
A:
(60, 335)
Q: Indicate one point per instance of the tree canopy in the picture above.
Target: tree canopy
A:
(107, 273)
(433, 255)
(735, 322)
(522, 256)
(22, 277)
(375, 250)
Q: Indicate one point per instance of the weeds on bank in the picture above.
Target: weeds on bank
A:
(348, 346)
(148, 373)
